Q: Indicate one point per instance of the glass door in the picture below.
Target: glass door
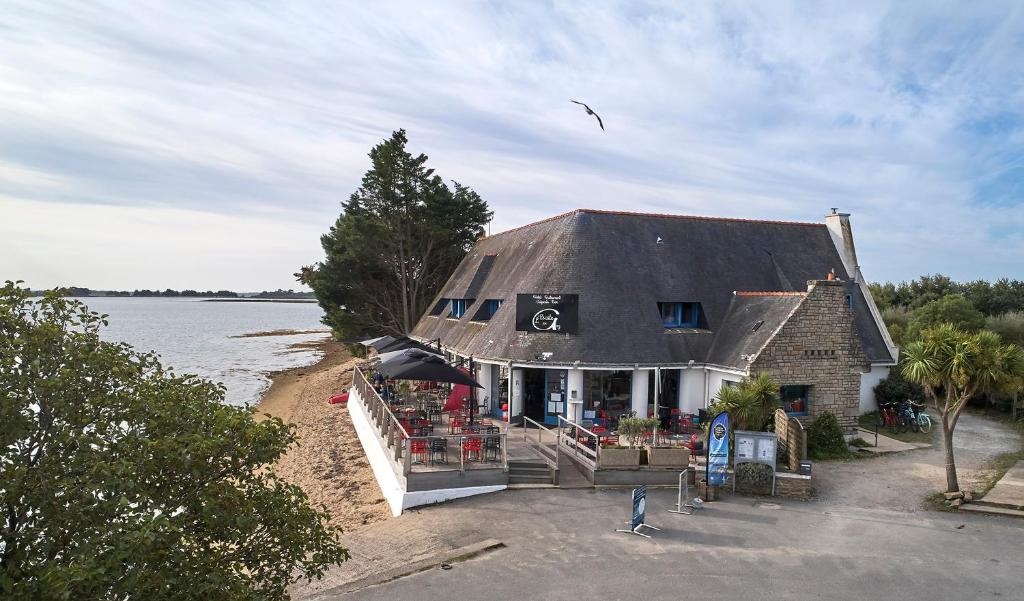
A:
(554, 394)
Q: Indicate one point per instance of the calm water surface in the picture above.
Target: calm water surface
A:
(196, 337)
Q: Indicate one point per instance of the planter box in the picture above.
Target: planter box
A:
(668, 456)
(708, 493)
(619, 457)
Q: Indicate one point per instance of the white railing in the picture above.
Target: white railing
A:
(588, 455)
(398, 439)
(540, 446)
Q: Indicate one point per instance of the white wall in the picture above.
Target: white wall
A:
(574, 383)
(868, 381)
(691, 389)
(638, 399)
(515, 405)
(715, 382)
(483, 376)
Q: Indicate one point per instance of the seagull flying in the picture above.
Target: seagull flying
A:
(590, 112)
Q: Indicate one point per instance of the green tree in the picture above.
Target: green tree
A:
(122, 480)
(953, 308)
(953, 365)
(398, 239)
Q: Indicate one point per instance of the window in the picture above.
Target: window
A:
(487, 309)
(679, 315)
(794, 399)
(459, 307)
(439, 307)
(608, 392)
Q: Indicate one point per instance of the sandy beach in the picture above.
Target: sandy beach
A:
(328, 462)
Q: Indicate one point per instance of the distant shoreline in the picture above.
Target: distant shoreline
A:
(258, 300)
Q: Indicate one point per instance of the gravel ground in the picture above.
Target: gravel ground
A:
(901, 481)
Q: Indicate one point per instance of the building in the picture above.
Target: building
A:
(595, 311)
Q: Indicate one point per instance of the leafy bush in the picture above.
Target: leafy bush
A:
(634, 429)
(1008, 325)
(825, 438)
(896, 388)
(757, 475)
(122, 480)
(953, 308)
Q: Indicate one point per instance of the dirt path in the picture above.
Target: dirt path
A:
(902, 481)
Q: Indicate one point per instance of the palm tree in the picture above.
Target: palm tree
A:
(952, 366)
(750, 404)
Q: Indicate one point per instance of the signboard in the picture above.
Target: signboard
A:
(756, 447)
(718, 450)
(639, 506)
(557, 313)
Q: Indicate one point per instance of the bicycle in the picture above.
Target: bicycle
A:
(907, 417)
(922, 419)
(889, 417)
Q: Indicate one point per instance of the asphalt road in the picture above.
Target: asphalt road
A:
(562, 545)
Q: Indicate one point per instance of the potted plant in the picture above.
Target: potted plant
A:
(667, 455)
(632, 430)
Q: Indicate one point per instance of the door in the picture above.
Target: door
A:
(533, 394)
(555, 382)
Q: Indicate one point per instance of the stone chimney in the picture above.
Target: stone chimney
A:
(838, 225)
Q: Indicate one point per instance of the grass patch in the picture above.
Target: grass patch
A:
(869, 421)
(937, 502)
(996, 468)
(860, 442)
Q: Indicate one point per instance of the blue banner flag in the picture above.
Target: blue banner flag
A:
(718, 450)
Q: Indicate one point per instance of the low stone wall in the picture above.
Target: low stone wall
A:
(789, 485)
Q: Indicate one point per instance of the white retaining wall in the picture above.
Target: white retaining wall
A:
(385, 469)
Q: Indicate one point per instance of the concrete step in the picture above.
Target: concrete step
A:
(998, 504)
(529, 470)
(529, 479)
(527, 465)
(991, 510)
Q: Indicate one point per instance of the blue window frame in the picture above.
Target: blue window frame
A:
(491, 307)
(794, 399)
(439, 307)
(458, 308)
(679, 315)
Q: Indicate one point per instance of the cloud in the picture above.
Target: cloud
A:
(908, 116)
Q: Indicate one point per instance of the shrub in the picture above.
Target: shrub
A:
(757, 475)
(896, 388)
(1008, 325)
(634, 429)
(825, 438)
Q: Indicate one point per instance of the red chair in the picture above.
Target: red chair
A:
(473, 445)
(420, 448)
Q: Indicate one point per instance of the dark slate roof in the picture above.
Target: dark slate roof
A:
(750, 321)
(620, 271)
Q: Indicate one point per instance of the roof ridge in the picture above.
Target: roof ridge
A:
(659, 216)
(768, 293)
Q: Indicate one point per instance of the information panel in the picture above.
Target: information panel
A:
(557, 313)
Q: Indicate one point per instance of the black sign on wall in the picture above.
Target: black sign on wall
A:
(557, 313)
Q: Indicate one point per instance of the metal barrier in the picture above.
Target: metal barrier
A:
(396, 437)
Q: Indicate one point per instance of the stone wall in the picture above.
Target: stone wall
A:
(818, 347)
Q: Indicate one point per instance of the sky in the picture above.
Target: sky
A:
(209, 144)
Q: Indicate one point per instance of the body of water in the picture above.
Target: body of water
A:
(198, 337)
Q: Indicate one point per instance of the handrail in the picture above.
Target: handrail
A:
(540, 443)
(395, 435)
(596, 451)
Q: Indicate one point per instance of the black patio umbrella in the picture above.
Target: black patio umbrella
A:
(359, 339)
(379, 343)
(415, 364)
(403, 343)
